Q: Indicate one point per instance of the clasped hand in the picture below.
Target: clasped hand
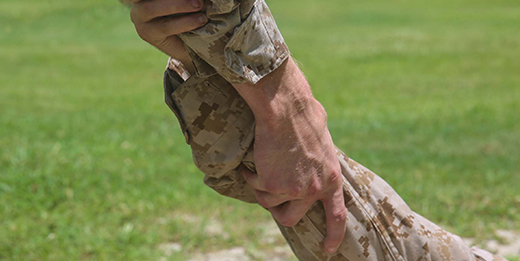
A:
(295, 158)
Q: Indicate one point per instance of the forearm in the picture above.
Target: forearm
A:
(282, 96)
(293, 151)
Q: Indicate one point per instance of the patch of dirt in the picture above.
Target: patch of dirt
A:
(215, 228)
(169, 248)
(275, 247)
(278, 253)
(508, 243)
(241, 254)
(270, 233)
(233, 254)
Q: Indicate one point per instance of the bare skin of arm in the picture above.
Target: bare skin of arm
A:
(293, 151)
(294, 154)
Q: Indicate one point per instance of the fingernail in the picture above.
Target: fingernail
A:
(331, 250)
(203, 19)
(195, 3)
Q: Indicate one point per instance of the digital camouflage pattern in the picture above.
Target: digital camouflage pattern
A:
(219, 127)
(243, 44)
(241, 41)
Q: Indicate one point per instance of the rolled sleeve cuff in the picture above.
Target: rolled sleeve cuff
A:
(240, 50)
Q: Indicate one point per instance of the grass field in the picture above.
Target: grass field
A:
(93, 165)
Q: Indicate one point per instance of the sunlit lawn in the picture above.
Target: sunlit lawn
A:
(93, 165)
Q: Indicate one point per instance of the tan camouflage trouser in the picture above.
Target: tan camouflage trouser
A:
(241, 43)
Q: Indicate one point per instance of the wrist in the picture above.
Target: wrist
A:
(282, 96)
(291, 113)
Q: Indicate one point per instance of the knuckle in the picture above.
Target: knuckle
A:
(185, 5)
(272, 187)
(335, 176)
(287, 221)
(263, 201)
(314, 189)
(324, 115)
(134, 16)
(295, 190)
(181, 6)
(163, 26)
(145, 8)
(143, 34)
(340, 216)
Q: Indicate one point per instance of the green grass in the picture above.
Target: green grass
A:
(93, 165)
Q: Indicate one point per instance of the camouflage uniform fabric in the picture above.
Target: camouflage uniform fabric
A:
(242, 44)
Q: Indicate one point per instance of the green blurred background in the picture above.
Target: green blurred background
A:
(93, 165)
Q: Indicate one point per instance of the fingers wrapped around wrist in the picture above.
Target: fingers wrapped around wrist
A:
(161, 28)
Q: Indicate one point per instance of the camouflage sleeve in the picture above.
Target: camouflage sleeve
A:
(219, 127)
(243, 44)
(241, 41)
